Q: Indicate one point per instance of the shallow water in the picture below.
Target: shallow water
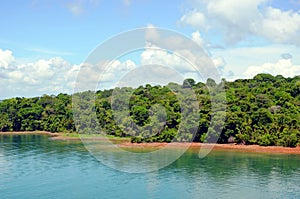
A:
(32, 166)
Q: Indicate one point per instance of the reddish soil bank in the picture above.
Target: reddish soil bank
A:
(196, 146)
(231, 147)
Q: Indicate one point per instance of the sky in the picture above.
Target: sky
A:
(44, 43)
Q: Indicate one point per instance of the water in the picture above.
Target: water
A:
(32, 166)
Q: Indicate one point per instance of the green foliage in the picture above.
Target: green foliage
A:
(49, 113)
(264, 110)
(188, 83)
(137, 139)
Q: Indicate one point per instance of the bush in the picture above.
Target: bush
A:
(288, 140)
(137, 139)
(265, 140)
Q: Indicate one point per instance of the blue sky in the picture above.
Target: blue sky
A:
(43, 42)
(50, 27)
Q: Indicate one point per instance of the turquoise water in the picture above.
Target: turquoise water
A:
(32, 166)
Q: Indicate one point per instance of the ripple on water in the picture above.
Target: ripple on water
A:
(41, 168)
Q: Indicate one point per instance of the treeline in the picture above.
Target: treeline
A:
(264, 110)
(46, 113)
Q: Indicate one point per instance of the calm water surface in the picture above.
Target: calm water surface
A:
(32, 166)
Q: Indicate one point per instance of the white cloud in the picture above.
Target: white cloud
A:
(152, 34)
(35, 78)
(102, 75)
(194, 19)
(238, 59)
(114, 71)
(234, 12)
(236, 21)
(45, 69)
(196, 37)
(116, 66)
(16, 75)
(55, 75)
(182, 61)
(233, 18)
(280, 26)
(156, 56)
(6, 58)
(218, 62)
(283, 67)
(177, 52)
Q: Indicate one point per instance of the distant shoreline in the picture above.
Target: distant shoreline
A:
(192, 146)
(30, 132)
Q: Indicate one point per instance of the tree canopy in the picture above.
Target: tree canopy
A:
(264, 110)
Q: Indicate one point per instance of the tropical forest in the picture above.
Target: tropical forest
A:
(264, 110)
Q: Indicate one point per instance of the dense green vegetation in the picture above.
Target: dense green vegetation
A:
(264, 110)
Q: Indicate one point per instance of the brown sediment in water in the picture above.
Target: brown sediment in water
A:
(123, 143)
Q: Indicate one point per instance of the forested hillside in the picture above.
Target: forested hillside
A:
(264, 110)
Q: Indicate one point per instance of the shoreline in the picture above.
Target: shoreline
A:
(219, 147)
(31, 133)
(123, 143)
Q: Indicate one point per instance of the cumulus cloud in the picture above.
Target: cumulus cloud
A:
(238, 20)
(283, 67)
(238, 59)
(196, 37)
(194, 19)
(280, 26)
(55, 75)
(117, 65)
(155, 55)
(184, 62)
(219, 62)
(184, 55)
(103, 75)
(6, 58)
(34, 78)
